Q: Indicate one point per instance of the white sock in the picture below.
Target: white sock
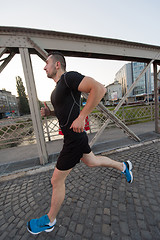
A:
(52, 223)
(124, 167)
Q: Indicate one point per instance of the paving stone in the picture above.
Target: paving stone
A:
(22, 229)
(142, 224)
(124, 227)
(8, 214)
(72, 226)
(107, 211)
(12, 234)
(146, 235)
(69, 236)
(97, 228)
(62, 231)
(115, 227)
(79, 228)
(106, 229)
(96, 236)
(20, 224)
(17, 237)
(97, 218)
(2, 221)
(87, 233)
(11, 219)
(4, 235)
(4, 226)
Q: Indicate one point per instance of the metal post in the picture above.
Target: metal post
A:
(34, 106)
(151, 106)
(2, 51)
(46, 123)
(148, 87)
(6, 61)
(41, 52)
(156, 100)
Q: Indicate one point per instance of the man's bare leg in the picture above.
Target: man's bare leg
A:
(58, 192)
(101, 161)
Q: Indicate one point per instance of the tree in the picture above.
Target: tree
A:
(23, 101)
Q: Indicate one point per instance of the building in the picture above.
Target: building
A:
(113, 92)
(127, 76)
(8, 104)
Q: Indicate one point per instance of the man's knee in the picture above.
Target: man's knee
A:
(90, 160)
(52, 180)
(57, 183)
(89, 163)
(59, 177)
(55, 180)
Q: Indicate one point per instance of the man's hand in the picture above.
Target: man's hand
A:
(78, 124)
(45, 111)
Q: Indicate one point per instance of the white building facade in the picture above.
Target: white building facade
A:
(113, 92)
(127, 76)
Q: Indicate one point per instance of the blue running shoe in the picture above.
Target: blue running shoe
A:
(36, 226)
(128, 172)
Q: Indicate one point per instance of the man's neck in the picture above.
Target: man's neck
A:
(58, 76)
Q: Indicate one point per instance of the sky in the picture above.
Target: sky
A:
(135, 21)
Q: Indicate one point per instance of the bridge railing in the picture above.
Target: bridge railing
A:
(19, 131)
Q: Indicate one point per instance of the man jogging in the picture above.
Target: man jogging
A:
(66, 102)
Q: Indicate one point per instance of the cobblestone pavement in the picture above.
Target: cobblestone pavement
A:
(99, 204)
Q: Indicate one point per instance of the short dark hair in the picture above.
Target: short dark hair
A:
(59, 57)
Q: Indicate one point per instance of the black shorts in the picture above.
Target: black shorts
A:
(72, 152)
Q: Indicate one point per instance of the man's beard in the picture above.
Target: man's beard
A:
(52, 75)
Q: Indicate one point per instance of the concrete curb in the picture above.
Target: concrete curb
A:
(130, 147)
(26, 172)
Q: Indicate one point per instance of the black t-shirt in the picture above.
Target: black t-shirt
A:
(65, 99)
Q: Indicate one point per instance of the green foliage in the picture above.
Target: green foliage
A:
(23, 101)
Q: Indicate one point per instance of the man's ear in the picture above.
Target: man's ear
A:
(58, 65)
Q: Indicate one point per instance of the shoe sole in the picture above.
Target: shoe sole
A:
(130, 170)
(130, 165)
(47, 230)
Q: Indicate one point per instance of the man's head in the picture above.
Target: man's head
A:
(58, 57)
(55, 62)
